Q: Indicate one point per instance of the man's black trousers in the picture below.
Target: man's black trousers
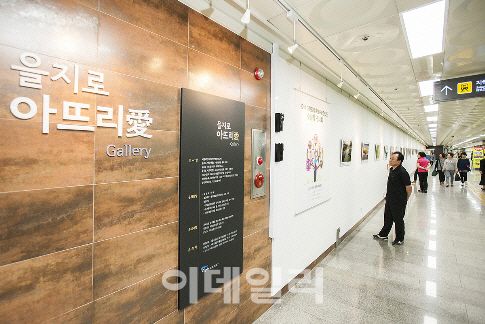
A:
(394, 214)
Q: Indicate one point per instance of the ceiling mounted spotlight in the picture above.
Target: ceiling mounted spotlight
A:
(246, 18)
(293, 47)
(357, 95)
(341, 83)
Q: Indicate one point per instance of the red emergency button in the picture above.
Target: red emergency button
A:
(259, 160)
(259, 180)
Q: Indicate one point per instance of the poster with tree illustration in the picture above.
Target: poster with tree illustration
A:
(312, 169)
(314, 156)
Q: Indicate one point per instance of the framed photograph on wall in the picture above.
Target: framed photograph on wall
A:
(378, 152)
(345, 152)
(386, 152)
(365, 152)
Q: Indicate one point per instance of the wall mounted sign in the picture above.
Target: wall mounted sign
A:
(477, 155)
(34, 75)
(459, 88)
(211, 193)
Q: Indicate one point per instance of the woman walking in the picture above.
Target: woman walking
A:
(423, 166)
(450, 169)
(439, 165)
(463, 165)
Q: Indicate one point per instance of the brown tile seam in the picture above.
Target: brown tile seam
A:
(72, 310)
(94, 180)
(89, 65)
(240, 304)
(144, 29)
(94, 242)
(142, 230)
(175, 311)
(96, 116)
(43, 255)
(91, 302)
(256, 232)
(86, 185)
(312, 265)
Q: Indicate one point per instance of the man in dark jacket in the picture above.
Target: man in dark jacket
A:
(463, 165)
(399, 190)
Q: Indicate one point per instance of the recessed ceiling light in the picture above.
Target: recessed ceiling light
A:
(432, 125)
(432, 118)
(426, 87)
(430, 108)
(424, 28)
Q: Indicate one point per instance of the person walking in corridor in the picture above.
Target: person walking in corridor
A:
(439, 165)
(450, 169)
(423, 166)
(463, 166)
(482, 173)
(399, 190)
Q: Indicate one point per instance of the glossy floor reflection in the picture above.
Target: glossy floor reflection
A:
(437, 276)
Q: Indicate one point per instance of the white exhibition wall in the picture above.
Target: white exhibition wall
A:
(354, 190)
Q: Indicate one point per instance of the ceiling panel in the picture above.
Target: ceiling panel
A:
(428, 67)
(369, 36)
(465, 12)
(285, 25)
(334, 16)
(374, 35)
(405, 5)
(267, 9)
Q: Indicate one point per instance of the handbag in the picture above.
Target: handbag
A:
(434, 173)
(457, 177)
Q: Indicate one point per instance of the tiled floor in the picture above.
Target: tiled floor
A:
(437, 276)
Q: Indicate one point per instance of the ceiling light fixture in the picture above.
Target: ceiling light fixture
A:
(424, 29)
(246, 18)
(293, 47)
(432, 125)
(426, 87)
(432, 118)
(357, 95)
(430, 108)
(341, 83)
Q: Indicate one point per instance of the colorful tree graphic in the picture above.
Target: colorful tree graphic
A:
(314, 156)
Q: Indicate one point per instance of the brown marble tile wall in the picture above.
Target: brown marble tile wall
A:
(85, 237)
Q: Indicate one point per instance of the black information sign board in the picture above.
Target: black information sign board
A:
(459, 88)
(211, 193)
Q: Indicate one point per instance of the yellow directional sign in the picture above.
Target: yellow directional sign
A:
(464, 87)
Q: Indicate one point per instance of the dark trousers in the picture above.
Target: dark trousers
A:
(415, 175)
(423, 180)
(396, 215)
(463, 175)
(441, 175)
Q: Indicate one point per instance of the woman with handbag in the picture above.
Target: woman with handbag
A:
(450, 169)
(439, 165)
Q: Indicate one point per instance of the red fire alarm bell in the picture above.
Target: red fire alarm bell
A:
(259, 180)
(258, 73)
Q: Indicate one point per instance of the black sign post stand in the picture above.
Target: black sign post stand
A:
(211, 193)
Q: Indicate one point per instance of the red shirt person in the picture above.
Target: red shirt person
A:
(423, 165)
